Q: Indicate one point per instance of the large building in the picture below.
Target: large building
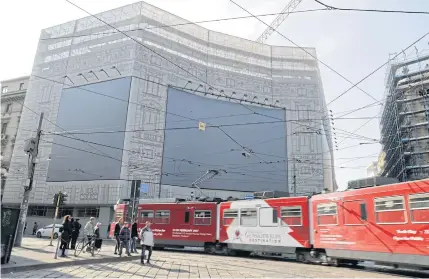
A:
(405, 119)
(106, 116)
(12, 97)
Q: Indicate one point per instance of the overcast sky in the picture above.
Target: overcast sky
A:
(352, 43)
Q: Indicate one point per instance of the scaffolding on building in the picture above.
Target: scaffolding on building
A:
(405, 118)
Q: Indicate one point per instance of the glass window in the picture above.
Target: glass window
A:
(291, 215)
(249, 217)
(146, 215)
(4, 89)
(65, 211)
(268, 217)
(162, 217)
(327, 214)
(8, 108)
(21, 86)
(88, 212)
(3, 127)
(229, 215)
(390, 210)
(419, 208)
(202, 217)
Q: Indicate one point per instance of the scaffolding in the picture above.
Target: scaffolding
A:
(405, 118)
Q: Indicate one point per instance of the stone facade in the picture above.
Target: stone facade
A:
(86, 51)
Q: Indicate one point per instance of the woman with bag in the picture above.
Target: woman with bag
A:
(65, 235)
(147, 242)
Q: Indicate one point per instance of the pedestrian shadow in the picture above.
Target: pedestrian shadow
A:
(37, 250)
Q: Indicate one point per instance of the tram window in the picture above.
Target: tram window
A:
(291, 215)
(327, 214)
(419, 207)
(363, 212)
(268, 217)
(354, 212)
(390, 210)
(146, 215)
(187, 217)
(162, 217)
(202, 217)
(229, 215)
(248, 217)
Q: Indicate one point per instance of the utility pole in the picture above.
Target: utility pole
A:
(56, 202)
(32, 148)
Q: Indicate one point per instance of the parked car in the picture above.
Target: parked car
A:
(46, 231)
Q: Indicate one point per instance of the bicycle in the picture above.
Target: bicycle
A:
(88, 243)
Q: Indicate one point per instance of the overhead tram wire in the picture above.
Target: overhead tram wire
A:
(328, 8)
(303, 49)
(353, 84)
(332, 8)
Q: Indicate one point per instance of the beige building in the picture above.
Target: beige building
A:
(12, 97)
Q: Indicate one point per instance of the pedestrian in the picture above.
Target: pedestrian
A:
(75, 233)
(124, 236)
(147, 242)
(134, 235)
(35, 228)
(108, 230)
(118, 226)
(65, 234)
(97, 230)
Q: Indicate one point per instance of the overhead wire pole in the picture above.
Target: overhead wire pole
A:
(33, 150)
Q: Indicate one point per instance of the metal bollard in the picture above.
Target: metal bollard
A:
(56, 250)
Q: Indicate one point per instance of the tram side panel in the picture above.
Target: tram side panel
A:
(278, 225)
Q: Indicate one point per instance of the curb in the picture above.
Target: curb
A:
(5, 270)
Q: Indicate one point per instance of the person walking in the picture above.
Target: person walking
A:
(124, 236)
(35, 227)
(75, 233)
(134, 235)
(118, 226)
(65, 234)
(147, 242)
(97, 230)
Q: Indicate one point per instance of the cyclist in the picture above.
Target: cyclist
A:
(89, 231)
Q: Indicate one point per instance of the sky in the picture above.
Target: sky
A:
(352, 43)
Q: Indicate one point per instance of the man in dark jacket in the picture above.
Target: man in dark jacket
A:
(75, 233)
(118, 226)
(124, 236)
(134, 235)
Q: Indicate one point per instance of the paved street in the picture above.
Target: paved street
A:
(167, 264)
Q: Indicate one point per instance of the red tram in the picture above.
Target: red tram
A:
(387, 224)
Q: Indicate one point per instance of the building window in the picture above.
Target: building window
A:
(248, 217)
(229, 215)
(202, 217)
(21, 86)
(327, 214)
(3, 127)
(419, 208)
(88, 212)
(8, 108)
(162, 217)
(390, 210)
(42, 211)
(65, 211)
(4, 89)
(268, 217)
(291, 215)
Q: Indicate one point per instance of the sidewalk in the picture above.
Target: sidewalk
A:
(37, 254)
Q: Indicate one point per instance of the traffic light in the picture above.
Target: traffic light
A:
(63, 198)
(55, 199)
